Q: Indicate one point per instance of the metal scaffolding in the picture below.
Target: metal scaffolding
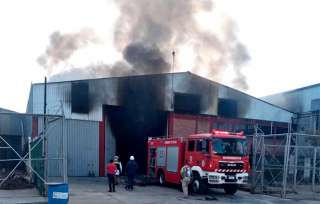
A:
(41, 164)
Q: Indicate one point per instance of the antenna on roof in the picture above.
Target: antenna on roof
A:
(173, 60)
(172, 73)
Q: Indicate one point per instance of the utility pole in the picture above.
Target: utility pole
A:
(45, 139)
(172, 73)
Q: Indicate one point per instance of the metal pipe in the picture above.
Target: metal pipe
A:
(26, 160)
(172, 77)
(45, 139)
(29, 151)
(64, 154)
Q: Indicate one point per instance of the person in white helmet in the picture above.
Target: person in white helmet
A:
(131, 170)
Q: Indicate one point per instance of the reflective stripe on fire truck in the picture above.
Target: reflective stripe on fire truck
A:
(230, 170)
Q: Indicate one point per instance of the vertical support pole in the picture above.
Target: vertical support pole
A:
(262, 163)
(314, 122)
(254, 160)
(45, 139)
(172, 79)
(314, 169)
(29, 159)
(295, 168)
(285, 166)
(64, 153)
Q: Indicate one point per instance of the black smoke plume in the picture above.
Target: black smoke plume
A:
(147, 31)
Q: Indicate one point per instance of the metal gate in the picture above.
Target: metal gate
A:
(287, 165)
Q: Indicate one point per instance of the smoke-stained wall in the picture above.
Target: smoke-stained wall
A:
(249, 107)
(152, 91)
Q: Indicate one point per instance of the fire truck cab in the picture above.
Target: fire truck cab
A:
(217, 159)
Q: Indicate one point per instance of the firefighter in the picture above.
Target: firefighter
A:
(111, 171)
(119, 169)
(186, 175)
(131, 169)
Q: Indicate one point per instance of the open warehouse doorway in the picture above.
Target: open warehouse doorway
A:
(127, 132)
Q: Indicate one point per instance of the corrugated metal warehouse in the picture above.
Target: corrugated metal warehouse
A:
(109, 116)
(305, 102)
(300, 100)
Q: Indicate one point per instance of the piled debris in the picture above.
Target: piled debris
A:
(16, 181)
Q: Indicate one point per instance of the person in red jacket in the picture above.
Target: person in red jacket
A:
(111, 172)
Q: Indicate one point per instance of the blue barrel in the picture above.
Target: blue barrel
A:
(58, 193)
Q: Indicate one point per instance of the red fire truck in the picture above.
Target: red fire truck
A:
(217, 159)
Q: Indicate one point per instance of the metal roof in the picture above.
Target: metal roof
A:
(109, 91)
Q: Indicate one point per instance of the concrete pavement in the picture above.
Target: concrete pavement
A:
(94, 191)
(21, 196)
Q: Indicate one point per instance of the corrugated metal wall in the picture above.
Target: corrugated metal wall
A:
(83, 147)
(297, 100)
(55, 145)
(12, 132)
(11, 124)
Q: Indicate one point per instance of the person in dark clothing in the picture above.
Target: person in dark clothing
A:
(131, 169)
(111, 171)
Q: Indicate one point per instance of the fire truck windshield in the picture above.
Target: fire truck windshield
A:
(229, 146)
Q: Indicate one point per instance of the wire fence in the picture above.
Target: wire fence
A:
(287, 165)
(26, 159)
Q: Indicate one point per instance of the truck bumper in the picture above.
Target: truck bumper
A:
(222, 178)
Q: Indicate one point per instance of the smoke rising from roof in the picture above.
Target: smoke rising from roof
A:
(147, 31)
(145, 59)
(62, 47)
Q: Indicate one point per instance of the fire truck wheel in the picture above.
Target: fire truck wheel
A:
(198, 185)
(161, 178)
(230, 189)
